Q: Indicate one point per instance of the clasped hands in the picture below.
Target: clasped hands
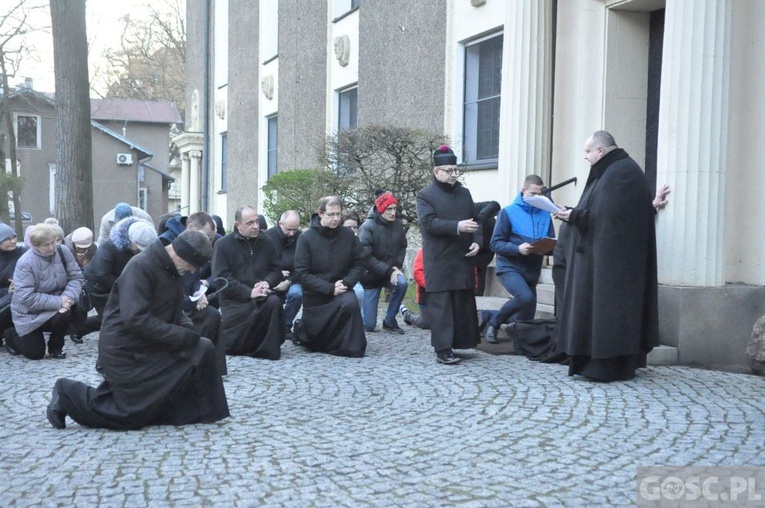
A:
(260, 289)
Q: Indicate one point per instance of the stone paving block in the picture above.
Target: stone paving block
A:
(394, 428)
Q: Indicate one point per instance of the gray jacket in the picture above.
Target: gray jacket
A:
(40, 282)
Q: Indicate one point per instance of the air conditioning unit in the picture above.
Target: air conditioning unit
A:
(124, 159)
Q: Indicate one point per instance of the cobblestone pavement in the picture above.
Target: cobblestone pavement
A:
(392, 429)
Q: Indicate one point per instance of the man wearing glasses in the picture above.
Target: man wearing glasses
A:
(328, 264)
(450, 240)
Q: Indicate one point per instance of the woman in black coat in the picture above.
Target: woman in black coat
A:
(328, 263)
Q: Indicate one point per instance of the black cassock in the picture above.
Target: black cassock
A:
(609, 317)
(253, 327)
(157, 369)
(449, 275)
(330, 324)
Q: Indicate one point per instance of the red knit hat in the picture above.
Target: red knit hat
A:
(384, 201)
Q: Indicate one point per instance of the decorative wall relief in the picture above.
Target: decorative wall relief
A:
(477, 3)
(342, 49)
(267, 86)
(220, 108)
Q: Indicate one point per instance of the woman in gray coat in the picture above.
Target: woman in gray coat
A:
(47, 283)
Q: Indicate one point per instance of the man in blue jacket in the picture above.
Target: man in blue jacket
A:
(518, 264)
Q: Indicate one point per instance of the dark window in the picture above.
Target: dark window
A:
(273, 137)
(223, 160)
(26, 132)
(483, 82)
(348, 109)
(655, 49)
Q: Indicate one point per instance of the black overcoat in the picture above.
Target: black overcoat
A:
(157, 369)
(386, 244)
(330, 324)
(450, 277)
(285, 247)
(440, 207)
(610, 304)
(249, 325)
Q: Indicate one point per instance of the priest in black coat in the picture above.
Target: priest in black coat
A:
(253, 318)
(609, 318)
(328, 264)
(450, 241)
(157, 370)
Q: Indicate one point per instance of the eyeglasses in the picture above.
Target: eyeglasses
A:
(11, 239)
(453, 171)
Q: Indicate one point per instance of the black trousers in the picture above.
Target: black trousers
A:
(32, 345)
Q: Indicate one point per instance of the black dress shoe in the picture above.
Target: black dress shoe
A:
(491, 335)
(75, 338)
(55, 415)
(58, 355)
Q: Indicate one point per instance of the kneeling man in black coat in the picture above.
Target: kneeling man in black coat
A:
(157, 369)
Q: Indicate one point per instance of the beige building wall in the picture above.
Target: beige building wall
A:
(745, 262)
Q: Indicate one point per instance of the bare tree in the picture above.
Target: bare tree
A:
(151, 60)
(387, 157)
(74, 164)
(15, 26)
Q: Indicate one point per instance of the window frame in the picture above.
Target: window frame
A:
(354, 108)
(272, 151)
(472, 98)
(223, 161)
(38, 130)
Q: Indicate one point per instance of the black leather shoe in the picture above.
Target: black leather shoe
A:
(58, 355)
(55, 415)
(75, 338)
(394, 328)
(448, 357)
(491, 335)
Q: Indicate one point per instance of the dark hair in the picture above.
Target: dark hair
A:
(200, 219)
(238, 213)
(532, 180)
(351, 215)
(329, 201)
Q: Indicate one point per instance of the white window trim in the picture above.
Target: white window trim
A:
(459, 90)
(336, 105)
(16, 116)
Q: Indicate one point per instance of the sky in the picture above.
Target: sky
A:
(104, 29)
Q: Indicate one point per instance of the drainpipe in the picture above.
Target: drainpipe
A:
(206, 121)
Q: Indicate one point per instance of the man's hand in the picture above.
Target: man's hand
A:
(473, 250)
(525, 248)
(340, 288)
(202, 302)
(660, 201)
(467, 226)
(260, 289)
(394, 276)
(563, 215)
(11, 286)
(283, 285)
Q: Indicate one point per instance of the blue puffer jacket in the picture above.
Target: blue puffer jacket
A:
(516, 224)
